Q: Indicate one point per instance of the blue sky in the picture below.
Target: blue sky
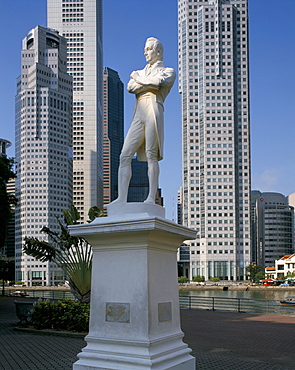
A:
(127, 24)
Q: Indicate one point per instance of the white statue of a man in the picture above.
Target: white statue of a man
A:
(145, 137)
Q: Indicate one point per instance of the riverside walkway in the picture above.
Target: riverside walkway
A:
(219, 340)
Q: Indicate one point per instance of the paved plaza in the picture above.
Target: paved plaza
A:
(219, 340)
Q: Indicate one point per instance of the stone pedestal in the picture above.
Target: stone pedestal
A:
(134, 313)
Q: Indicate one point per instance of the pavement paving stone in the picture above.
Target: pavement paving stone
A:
(219, 341)
(228, 340)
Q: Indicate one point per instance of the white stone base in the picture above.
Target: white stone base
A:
(134, 311)
(134, 209)
(187, 365)
(113, 355)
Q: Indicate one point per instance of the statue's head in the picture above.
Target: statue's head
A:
(153, 50)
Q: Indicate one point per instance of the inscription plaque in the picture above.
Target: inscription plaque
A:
(118, 312)
(164, 311)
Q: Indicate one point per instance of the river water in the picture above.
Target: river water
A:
(265, 300)
(268, 293)
(251, 301)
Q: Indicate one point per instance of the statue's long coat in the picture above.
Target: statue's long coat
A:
(158, 80)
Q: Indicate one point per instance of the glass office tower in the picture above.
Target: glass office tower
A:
(113, 121)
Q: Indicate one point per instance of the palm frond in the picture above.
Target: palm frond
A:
(77, 264)
(39, 249)
(94, 212)
(72, 254)
(71, 215)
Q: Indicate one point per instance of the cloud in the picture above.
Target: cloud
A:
(268, 180)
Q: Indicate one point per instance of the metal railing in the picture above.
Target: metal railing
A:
(47, 294)
(245, 305)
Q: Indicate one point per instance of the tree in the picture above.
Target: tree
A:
(259, 276)
(255, 272)
(7, 270)
(72, 254)
(6, 200)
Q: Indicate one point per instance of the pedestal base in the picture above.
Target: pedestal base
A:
(134, 209)
(188, 365)
(134, 312)
(167, 353)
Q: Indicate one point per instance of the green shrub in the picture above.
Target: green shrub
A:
(214, 279)
(198, 279)
(182, 279)
(41, 317)
(63, 315)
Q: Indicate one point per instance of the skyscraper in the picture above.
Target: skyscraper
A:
(255, 194)
(8, 250)
(80, 22)
(214, 83)
(10, 241)
(113, 133)
(274, 224)
(139, 183)
(43, 143)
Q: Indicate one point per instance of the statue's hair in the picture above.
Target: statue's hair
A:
(157, 45)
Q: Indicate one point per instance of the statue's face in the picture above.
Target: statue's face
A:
(151, 55)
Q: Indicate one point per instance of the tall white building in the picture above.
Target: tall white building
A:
(214, 83)
(80, 22)
(43, 147)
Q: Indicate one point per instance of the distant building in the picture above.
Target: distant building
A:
(43, 147)
(80, 22)
(10, 241)
(179, 206)
(139, 184)
(113, 132)
(255, 194)
(183, 261)
(283, 267)
(183, 253)
(4, 144)
(270, 272)
(274, 223)
(9, 249)
(291, 202)
(213, 55)
(159, 199)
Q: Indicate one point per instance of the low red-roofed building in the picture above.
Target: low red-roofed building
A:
(283, 267)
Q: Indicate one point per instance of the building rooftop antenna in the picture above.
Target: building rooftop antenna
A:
(173, 214)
